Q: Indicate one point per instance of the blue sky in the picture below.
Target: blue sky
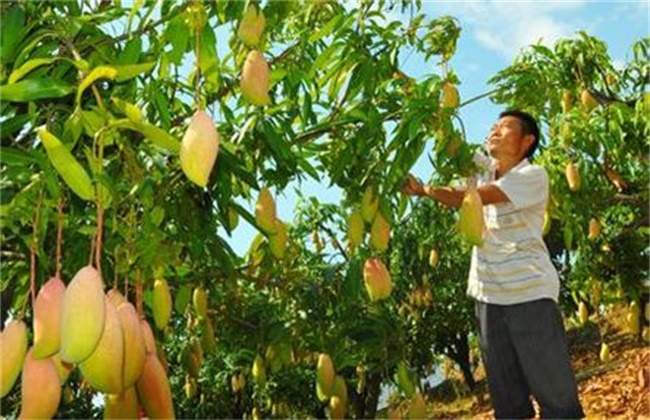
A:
(493, 32)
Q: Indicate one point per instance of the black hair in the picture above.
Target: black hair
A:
(528, 125)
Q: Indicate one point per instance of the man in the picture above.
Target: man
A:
(513, 281)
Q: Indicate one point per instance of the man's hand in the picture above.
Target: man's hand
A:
(412, 186)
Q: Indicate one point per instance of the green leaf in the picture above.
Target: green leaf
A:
(208, 59)
(101, 72)
(159, 137)
(13, 22)
(327, 29)
(131, 52)
(132, 70)
(18, 74)
(28, 90)
(131, 111)
(17, 157)
(67, 166)
(10, 125)
(178, 34)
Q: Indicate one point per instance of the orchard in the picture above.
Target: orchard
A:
(133, 147)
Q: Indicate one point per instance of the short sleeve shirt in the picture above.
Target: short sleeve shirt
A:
(513, 264)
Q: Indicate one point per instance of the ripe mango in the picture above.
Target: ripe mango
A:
(199, 148)
(594, 229)
(583, 313)
(604, 353)
(369, 204)
(104, 368)
(259, 371)
(41, 388)
(83, 315)
(340, 390)
(208, 340)
(572, 176)
(265, 215)
(325, 376)
(380, 233)
(278, 240)
(450, 97)
(47, 318)
(62, 368)
(148, 337)
(255, 79)
(470, 222)
(200, 302)
(393, 414)
(13, 346)
(377, 279)
(567, 101)
(122, 406)
(134, 347)
(355, 229)
(417, 408)
(251, 26)
(161, 303)
(433, 258)
(588, 100)
(336, 408)
(154, 392)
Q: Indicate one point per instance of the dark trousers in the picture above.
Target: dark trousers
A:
(525, 353)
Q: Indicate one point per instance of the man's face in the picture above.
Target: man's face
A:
(507, 139)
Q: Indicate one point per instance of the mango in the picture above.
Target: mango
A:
(13, 347)
(208, 340)
(393, 414)
(41, 388)
(417, 407)
(199, 148)
(265, 214)
(259, 371)
(380, 233)
(122, 406)
(255, 79)
(336, 408)
(604, 353)
(200, 302)
(154, 392)
(83, 315)
(470, 222)
(404, 381)
(148, 337)
(47, 318)
(62, 368)
(450, 97)
(251, 26)
(377, 279)
(340, 390)
(325, 376)
(588, 101)
(583, 313)
(134, 347)
(355, 229)
(278, 240)
(369, 204)
(433, 258)
(161, 303)
(594, 229)
(104, 368)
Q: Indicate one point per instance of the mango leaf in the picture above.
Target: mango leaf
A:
(18, 74)
(130, 71)
(101, 72)
(208, 56)
(158, 136)
(36, 88)
(17, 157)
(13, 21)
(131, 111)
(13, 124)
(66, 165)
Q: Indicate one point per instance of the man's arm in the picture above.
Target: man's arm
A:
(453, 197)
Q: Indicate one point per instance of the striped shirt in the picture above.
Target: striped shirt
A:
(513, 264)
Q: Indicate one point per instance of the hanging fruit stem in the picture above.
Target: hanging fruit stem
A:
(197, 52)
(32, 252)
(100, 205)
(59, 238)
(138, 292)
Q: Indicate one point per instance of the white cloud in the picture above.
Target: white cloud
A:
(507, 27)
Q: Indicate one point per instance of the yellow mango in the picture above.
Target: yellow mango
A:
(161, 303)
(251, 26)
(200, 302)
(594, 229)
(380, 233)
(41, 388)
(13, 346)
(377, 279)
(265, 215)
(355, 229)
(122, 406)
(104, 368)
(325, 376)
(154, 392)
(588, 100)
(470, 223)
(199, 148)
(433, 258)
(417, 408)
(450, 97)
(134, 347)
(82, 316)
(255, 79)
(369, 204)
(572, 176)
(47, 318)
(278, 240)
(259, 370)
